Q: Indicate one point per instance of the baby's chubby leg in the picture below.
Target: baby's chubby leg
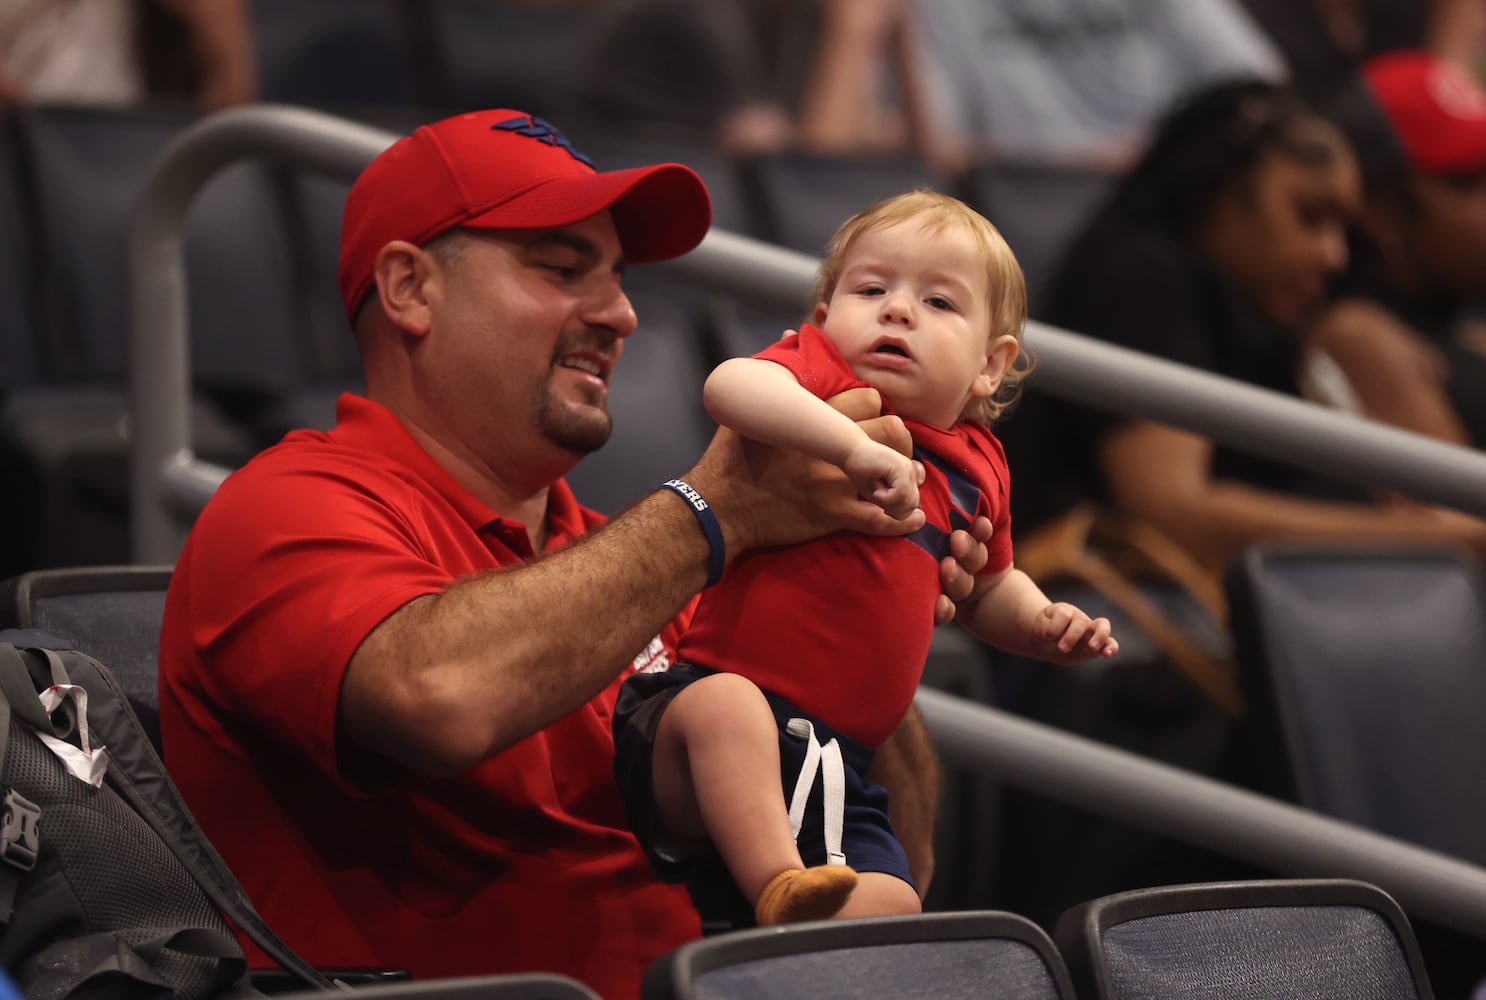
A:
(879, 894)
(716, 775)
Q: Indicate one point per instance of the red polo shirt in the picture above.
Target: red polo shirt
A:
(521, 863)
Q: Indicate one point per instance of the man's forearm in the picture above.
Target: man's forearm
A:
(447, 681)
(907, 766)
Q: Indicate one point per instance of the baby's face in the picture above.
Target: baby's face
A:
(911, 315)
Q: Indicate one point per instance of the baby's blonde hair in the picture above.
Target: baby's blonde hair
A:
(1008, 288)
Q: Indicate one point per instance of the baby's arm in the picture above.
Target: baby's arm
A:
(1011, 612)
(762, 400)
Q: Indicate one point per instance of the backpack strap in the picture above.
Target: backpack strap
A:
(20, 841)
(216, 880)
(142, 780)
(19, 689)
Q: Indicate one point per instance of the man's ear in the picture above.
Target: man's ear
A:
(999, 359)
(404, 276)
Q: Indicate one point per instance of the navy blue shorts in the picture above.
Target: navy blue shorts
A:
(868, 840)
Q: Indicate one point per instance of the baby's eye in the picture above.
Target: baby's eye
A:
(939, 302)
(871, 290)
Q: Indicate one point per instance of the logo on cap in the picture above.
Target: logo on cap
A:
(543, 131)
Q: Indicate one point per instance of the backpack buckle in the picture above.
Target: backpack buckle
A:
(19, 840)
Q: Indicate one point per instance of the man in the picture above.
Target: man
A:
(1407, 332)
(404, 755)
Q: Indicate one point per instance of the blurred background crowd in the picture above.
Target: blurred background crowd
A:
(1287, 192)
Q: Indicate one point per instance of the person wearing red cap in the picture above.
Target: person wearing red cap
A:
(404, 755)
(1406, 332)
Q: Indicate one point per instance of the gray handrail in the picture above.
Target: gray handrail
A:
(170, 486)
(1197, 810)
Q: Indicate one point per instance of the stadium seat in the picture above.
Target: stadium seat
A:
(1365, 670)
(112, 613)
(504, 55)
(66, 454)
(944, 955)
(1260, 940)
(336, 52)
(1039, 209)
(799, 199)
(68, 435)
(88, 166)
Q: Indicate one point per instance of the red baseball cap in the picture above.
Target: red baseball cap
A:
(505, 169)
(1437, 109)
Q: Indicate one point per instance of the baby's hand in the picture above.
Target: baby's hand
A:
(1067, 635)
(885, 477)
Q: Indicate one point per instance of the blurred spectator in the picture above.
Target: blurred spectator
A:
(199, 50)
(1080, 81)
(866, 91)
(715, 70)
(1406, 335)
(1215, 252)
(758, 76)
(83, 51)
(1325, 42)
(125, 51)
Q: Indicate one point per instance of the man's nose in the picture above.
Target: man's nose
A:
(614, 311)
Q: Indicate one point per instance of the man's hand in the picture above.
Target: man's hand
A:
(967, 557)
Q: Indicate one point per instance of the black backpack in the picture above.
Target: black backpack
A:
(107, 890)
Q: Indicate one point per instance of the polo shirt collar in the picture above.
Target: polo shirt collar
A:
(367, 425)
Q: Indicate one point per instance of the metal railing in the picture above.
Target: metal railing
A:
(1196, 810)
(170, 485)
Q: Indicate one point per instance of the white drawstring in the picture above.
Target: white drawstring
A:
(827, 760)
